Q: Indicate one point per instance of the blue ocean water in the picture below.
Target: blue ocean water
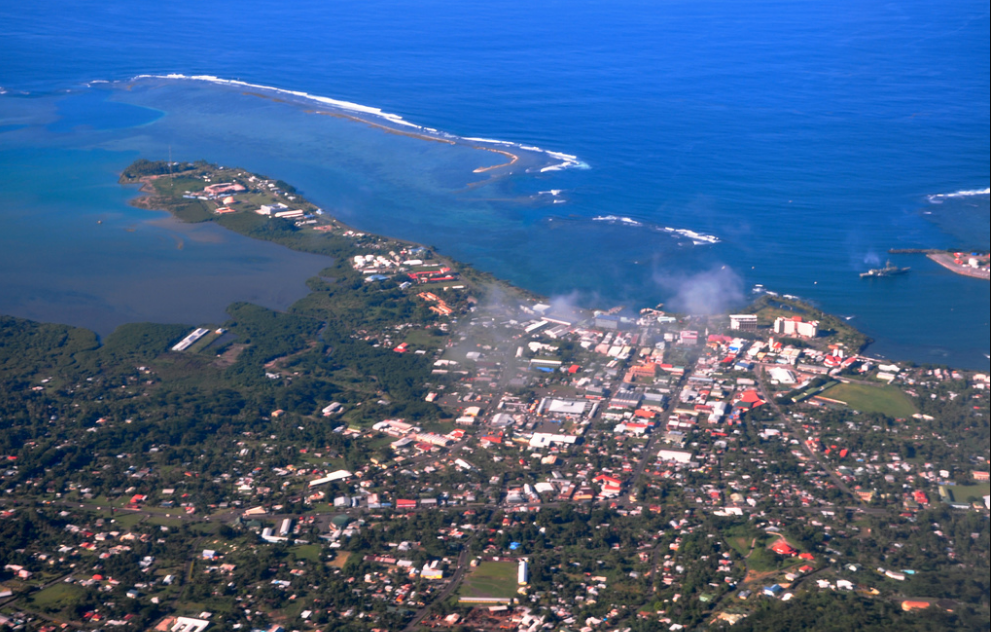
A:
(806, 137)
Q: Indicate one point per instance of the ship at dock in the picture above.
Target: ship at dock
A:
(888, 270)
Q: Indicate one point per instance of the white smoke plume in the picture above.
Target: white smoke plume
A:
(711, 292)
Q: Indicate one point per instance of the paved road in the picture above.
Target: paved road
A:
(662, 423)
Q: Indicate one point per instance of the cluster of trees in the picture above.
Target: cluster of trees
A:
(143, 167)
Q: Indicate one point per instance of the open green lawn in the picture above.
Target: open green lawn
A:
(741, 544)
(742, 537)
(762, 560)
(127, 520)
(166, 521)
(887, 400)
(57, 597)
(309, 552)
(491, 579)
(968, 493)
(422, 339)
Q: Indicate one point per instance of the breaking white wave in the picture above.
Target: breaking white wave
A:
(697, 238)
(617, 220)
(566, 160)
(938, 198)
(344, 105)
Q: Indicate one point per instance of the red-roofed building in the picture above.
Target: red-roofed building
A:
(609, 480)
(495, 439)
(611, 486)
(783, 548)
(750, 397)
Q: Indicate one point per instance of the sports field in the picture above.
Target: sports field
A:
(491, 579)
(887, 400)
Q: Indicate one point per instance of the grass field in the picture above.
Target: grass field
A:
(968, 493)
(742, 538)
(309, 552)
(421, 339)
(491, 579)
(163, 521)
(887, 400)
(762, 560)
(57, 597)
(128, 520)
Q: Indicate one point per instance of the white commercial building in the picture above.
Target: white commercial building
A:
(795, 326)
(543, 439)
(743, 322)
(339, 475)
(188, 341)
(188, 624)
(679, 456)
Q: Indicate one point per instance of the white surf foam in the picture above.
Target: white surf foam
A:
(937, 198)
(629, 221)
(567, 160)
(697, 238)
(343, 105)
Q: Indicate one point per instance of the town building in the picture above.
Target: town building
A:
(795, 326)
(743, 322)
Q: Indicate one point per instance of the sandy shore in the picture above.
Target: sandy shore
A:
(946, 260)
(512, 159)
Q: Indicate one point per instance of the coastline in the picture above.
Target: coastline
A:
(329, 236)
(324, 234)
(947, 261)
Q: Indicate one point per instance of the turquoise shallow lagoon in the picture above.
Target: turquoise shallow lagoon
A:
(806, 139)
